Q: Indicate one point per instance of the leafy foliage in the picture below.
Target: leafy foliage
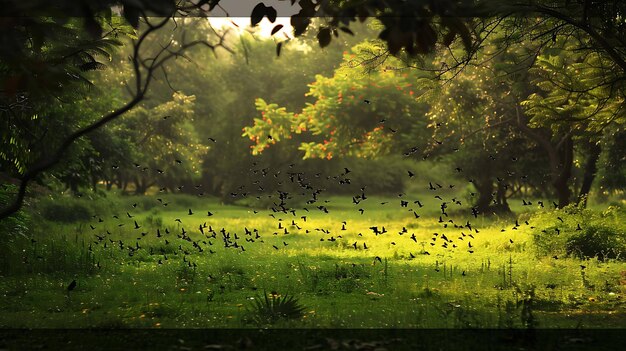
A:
(17, 223)
(598, 241)
(583, 234)
(355, 113)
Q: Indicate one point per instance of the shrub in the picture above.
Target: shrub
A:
(581, 233)
(145, 203)
(269, 310)
(18, 222)
(154, 219)
(596, 241)
(65, 210)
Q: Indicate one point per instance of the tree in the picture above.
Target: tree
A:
(166, 147)
(25, 32)
(416, 27)
(355, 112)
(575, 101)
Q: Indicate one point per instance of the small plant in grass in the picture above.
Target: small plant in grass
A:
(273, 308)
(526, 302)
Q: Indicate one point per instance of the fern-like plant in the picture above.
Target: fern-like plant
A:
(273, 308)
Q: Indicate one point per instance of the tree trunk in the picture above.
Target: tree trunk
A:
(140, 188)
(563, 172)
(589, 173)
(503, 205)
(94, 183)
(484, 188)
(141, 185)
(73, 186)
(561, 156)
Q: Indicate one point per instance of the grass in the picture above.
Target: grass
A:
(174, 285)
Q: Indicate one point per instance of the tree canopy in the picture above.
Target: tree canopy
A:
(50, 52)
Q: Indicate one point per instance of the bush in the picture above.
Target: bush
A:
(18, 222)
(154, 219)
(269, 310)
(65, 210)
(581, 233)
(596, 241)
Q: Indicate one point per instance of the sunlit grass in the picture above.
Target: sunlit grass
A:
(392, 283)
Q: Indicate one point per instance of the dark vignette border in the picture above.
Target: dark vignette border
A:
(312, 339)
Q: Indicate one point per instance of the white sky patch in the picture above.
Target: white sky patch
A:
(263, 29)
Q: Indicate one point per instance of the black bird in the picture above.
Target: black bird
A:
(190, 212)
(137, 226)
(411, 174)
(72, 286)
(475, 212)
(366, 101)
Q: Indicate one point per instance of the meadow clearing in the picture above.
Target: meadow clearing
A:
(141, 272)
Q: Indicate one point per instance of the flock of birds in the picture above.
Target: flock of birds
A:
(187, 241)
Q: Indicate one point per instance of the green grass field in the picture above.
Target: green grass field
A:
(504, 280)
